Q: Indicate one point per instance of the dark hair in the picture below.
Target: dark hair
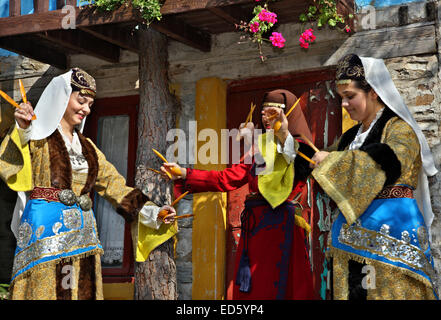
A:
(366, 87)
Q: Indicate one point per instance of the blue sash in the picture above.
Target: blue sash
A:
(50, 231)
(391, 231)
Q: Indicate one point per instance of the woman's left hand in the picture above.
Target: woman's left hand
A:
(167, 214)
(318, 158)
(283, 132)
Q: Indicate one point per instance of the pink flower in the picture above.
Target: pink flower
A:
(254, 27)
(303, 43)
(347, 29)
(306, 38)
(277, 40)
(308, 35)
(265, 15)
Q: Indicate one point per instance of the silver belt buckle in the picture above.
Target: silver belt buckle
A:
(85, 202)
(69, 198)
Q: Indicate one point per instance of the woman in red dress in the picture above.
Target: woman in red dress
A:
(272, 258)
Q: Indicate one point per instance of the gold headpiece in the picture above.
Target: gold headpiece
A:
(83, 82)
(273, 104)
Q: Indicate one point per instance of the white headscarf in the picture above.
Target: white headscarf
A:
(49, 111)
(379, 79)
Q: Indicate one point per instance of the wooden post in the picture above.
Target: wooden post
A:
(209, 229)
(155, 279)
(41, 6)
(14, 8)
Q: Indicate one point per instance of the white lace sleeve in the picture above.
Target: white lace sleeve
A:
(148, 216)
(24, 134)
(288, 149)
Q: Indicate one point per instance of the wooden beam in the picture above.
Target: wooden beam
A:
(82, 42)
(414, 39)
(28, 47)
(115, 35)
(229, 14)
(14, 8)
(179, 6)
(52, 20)
(180, 31)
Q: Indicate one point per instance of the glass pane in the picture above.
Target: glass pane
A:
(112, 140)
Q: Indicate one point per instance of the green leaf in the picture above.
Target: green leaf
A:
(332, 22)
(303, 17)
(312, 10)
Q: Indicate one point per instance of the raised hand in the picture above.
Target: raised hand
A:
(24, 115)
(174, 171)
(167, 214)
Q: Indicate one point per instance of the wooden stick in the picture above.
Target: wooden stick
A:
(175, 171)
(305, 157)
(160, 155)
(309, 143)
(292, 108)
(23, 95)
(163, 213)
(12, 102)
(179, 198)
(272, 116)
(184, 216)
(250, 114)
(9, 99)
(22, 90)
(278, 124)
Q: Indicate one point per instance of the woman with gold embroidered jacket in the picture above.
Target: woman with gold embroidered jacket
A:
(54, 167)
(272, 260)
(379, 242)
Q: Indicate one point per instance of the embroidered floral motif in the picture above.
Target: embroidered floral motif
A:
(39, 231)
(24, 234)
(72, 218)
(56, 227)
(386, 246)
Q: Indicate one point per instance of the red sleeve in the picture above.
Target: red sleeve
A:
(213, 181)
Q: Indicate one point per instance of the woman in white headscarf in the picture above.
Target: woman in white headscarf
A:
(54, 168)
(380, 241)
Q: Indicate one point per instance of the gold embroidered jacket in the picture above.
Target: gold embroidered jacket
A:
(51, 167)
(353, 179)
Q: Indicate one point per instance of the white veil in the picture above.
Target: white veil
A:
(49, 111)
(379, 79)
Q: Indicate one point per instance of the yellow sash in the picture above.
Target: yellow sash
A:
(21, 180)
(149, 239)
(275, 183)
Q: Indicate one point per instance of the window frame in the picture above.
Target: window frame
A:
(115, 106)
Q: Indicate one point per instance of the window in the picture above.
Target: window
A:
(112, 127)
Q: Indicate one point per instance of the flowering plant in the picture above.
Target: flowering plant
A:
(323, 12)
(150, 9)
(259, 26)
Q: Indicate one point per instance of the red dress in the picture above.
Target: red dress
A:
(275, 246)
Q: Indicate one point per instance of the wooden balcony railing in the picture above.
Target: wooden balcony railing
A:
(102, 34)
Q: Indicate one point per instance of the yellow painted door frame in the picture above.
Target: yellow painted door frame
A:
(209, 224)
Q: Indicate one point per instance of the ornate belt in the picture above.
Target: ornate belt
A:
(65, 196)
(395, 192)
(254, 196)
